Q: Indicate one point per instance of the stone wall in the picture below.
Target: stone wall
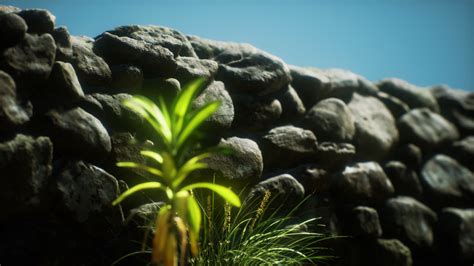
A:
(388, 163)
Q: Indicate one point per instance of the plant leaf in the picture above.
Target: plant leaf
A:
(183, 102)
(156, 113)
(224, 192)
(191, 165)
(147, 168)
(142, 186)
(194, 215)
(200, 116)
(153, 155)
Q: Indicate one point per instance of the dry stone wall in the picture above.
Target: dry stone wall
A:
(389, 163)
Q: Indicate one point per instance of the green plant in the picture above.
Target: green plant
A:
(179, 221)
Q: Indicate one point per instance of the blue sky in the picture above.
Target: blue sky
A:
(426, 42)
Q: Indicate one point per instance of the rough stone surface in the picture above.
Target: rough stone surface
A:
(395, 105)
(405, 180)
(310, 84)
(364, 222)
(447, 183)
(457, 234)
(410, 221)
(331, 120)
(426, 129)
(292, 106)
(154, 60)
(126, 78)
(410, 155)
(392, 252)
(63, 84)
(191, 68)
(13, 29)
(333, 156)
(255, 113)
(413, 96)
(12, 113)
(463, 152)
(312, 177)
(38, 20)
(362, 183)
(376, 132)
(9, 9)
(285, 191)
(63, 42)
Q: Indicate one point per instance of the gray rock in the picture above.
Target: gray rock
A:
(364, 222)
(345, 83)
(376, 132)
(447, 183)
(30, 61)
(77, 133)
(222, 119)
(330, 120)
(91, 69)
(410, 155)
(244, 164)
(426, 129)
(285, 192)
(391, 252)
(410, 221)
(395, 105)
(210, 49)
(85, 193)
(153, 60)
(292, 107)
(25, 164)
(286, 146)
(9, 9)
(63, 84)
(126, 78)
(38, 20)
(413, 96)
(144, 215)
(312, 177)
(311, 84)
(255, 113)
(12, 113)
(333, 156)
(404, 179)
(463, 152)
(159, 87)
(457, 106)
(168, 38)
(63, 42)
(362, 183)
(191, 68)
(13, 29)
(457, 234)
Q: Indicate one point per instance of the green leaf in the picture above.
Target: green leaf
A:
(194, 215)
(157, 114)
(153, 155)
(191, 165)
(183, 102)
(200, 116)
(224, 192)
(146, 185)
(149, 169)
(169, 166)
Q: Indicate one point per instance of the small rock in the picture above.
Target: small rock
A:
(63, 43)
(9, 9)
(395, 105)
(13, 29)
(404, 180)
(255, 113)
(191, 68)
(410, 221)
(447, 183)
(344, 84)
(292, 107)
(410, 155)
(312, 177)
(38, 20)
(330, 120)
(426, 129)
(391, 252)
(457, 235)
(310, 84)
(376, 132)
(126, 78)
(463, 152)
(333, 156)
(362, 183)
(413, 96)
(159, 87)
(364, 222)
(63, 83)
(12, 113)
(287, 146)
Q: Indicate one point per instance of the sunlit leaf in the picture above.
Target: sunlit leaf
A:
(168, 166)
(224, 192)
(183, 102)
(147, 168)
(161, 234)
(153, 155)
(200, 116)
(191, 165)
(132, 190)
(157, 114)
(194, 215)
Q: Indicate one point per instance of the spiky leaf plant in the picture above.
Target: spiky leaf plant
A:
(179, 221)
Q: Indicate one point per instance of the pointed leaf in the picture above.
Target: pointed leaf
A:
(200, 116)
(195, 215)
(191, 165)
(142, 186)
(224, 192)
(157, 114)
(183, 102)
(149, 169)
(153, 155)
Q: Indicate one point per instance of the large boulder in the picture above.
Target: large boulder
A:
(330, 120)
(154, 60)
(25, 165)
(413, 96)
(446, 183)
(376, 131)
(38, 20)
(405, 180)
(13, 29)
(362, 183)
(410, 221)
(12, 112)
(426, 129)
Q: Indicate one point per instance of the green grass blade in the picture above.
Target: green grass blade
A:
(153, 155)
(224, 192)
(191, 165)
(142, 186)
(199, 117)
(194, 215)
(149, 169)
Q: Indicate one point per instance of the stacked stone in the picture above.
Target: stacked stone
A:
(388, 163)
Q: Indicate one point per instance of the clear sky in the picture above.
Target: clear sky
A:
(426, 42)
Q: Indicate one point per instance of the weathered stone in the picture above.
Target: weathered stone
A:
(126, 78)
(9, 9)
(13, 29)
(285, 192)
(30, 61)
(25, 166)
(391, 252)
(376, 132)
(38, 20)
(168, 38)
(312, 177)
(287, 146)
(410, 221)
(311, 84)
(153, 60)
(330, 120)
(292, 108)
(364, 222)
(413, 96)
(362, 183)
(457, 235)
(345, 83)
(463, 152)
(446, 183)
(426, 129)
(404, 180)
(12, 113)
(410, 155)
(63, 84)
(220, 120)
(333, 156)
(255, 113)
(395, 105)
(63, 42)
(159, 87)
(191, 68)
(208, 49)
